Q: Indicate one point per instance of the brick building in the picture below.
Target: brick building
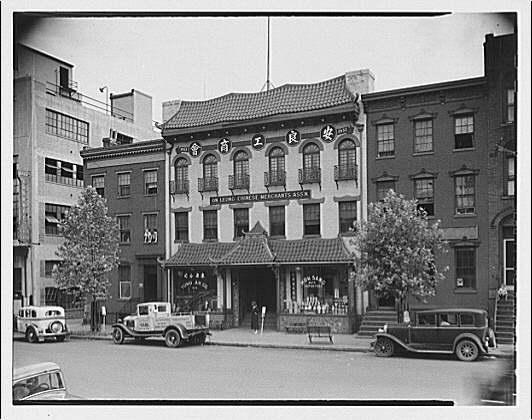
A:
(441, 144)
(53, 122)
(265, 189)
(132, 180)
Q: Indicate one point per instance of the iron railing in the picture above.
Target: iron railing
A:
(238, 182)
(208, 184)
(310, 176)
(274, 178)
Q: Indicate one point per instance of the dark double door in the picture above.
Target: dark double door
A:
(259, 285)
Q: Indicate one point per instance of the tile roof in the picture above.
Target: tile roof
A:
(250, 250)
(199, 254)
(311, 250)
(258, 249)
(285, 99)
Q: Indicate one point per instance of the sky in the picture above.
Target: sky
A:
(197, 58)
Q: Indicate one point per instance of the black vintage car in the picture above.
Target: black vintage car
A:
(464, 332)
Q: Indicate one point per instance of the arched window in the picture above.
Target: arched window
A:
(347, 159)
(311, 164)
(241, 169)
(276, 166)
(181, 175)
(311, 156)
(210, 173)
(210, 167)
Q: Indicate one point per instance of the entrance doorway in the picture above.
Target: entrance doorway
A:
(257, 284)
(150, 283)
(386, 302)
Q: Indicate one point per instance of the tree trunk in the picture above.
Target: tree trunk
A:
(95, 315)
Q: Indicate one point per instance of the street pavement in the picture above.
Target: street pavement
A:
(101, 370)
(242, 337)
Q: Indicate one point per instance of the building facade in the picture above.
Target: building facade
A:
(53, 122)
(265, 189)
(440, 144)
(132, 180)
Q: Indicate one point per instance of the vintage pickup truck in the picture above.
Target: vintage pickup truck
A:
(154, 319)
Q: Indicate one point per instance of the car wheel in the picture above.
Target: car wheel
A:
(172, 338)
(467, 350)
(118, 336)
(31, 335)
(202, 338)
(384, 347)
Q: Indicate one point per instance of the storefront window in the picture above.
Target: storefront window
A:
(195, 290)
(324, 291)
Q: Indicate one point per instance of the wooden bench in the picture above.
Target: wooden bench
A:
(296, 327)
(319, 331)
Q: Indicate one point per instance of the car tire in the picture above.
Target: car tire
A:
(384, 347)
(31, 335)
(118, 336)
(202, 339)
(172, 338)
(467, 350)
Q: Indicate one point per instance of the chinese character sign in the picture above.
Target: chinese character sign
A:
(293, 137)
(258, 141)
(328, 133)
(195, 149)
(224, 146)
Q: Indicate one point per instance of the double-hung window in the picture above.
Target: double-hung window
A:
(124, 276)
(181, 226)
(123, 227)
(423, 136)
(53, 214)
(385, 140)
(465, 262)
(241, 222)
(124, 184)
(150, 182)
(465, 194)
(383, 187)
(464, 129)
(311, 219)
(347, 212)
(98, 182)
(424, 194)
(277, 221)
(210, 225)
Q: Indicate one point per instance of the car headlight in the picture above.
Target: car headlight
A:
(385, 328)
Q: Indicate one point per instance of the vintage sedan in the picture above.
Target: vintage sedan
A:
(38, 323)
(41, 381)
(464, 332)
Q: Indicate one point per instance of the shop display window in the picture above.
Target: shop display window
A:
(195, 290)
(324, 292)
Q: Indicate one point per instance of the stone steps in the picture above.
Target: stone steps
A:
(373, 320)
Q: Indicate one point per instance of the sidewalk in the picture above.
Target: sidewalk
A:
(243, 337)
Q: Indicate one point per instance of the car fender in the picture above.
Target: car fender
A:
(395, 340)
(179, 327)
(125, 330)
(470, 336)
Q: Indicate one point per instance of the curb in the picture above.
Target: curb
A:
(505, 355)
(289, 346)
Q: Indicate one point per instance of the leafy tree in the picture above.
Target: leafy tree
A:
(397, 245)
(90, 249)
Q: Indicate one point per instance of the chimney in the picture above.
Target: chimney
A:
(170, 108)
(360, 81)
